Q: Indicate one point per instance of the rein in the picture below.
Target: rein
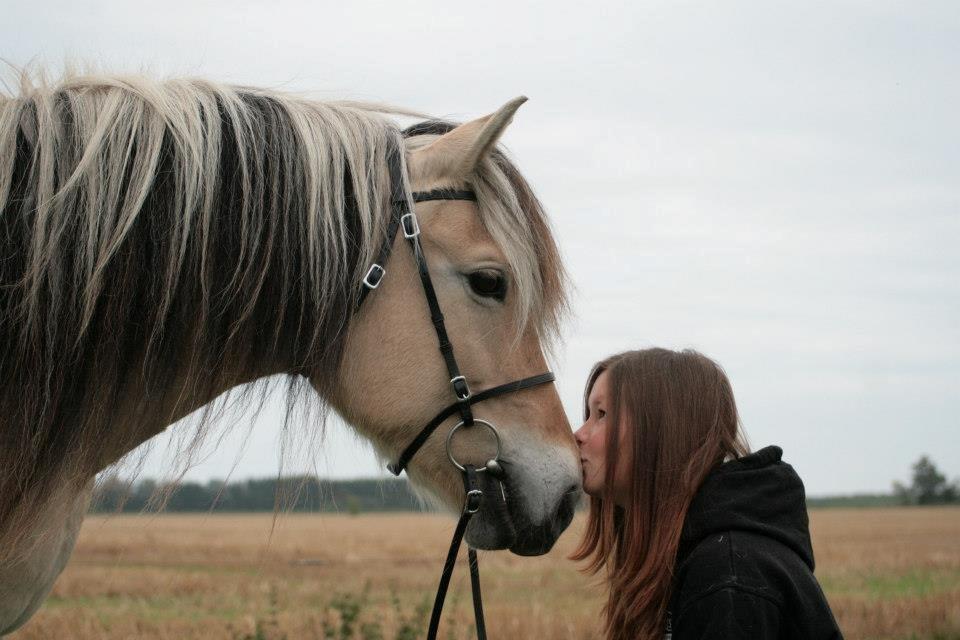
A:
(402, 216)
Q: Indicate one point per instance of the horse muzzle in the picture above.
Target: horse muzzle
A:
(504, 520)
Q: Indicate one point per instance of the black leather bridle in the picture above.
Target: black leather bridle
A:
(403, 217)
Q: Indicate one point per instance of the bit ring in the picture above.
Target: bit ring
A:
(493, 430)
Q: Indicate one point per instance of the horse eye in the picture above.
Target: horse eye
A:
(488, 283)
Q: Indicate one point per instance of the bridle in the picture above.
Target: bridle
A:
(403, 217)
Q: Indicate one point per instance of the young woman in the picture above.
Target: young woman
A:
(698, 537)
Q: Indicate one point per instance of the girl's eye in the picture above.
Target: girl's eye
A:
(600, 414)
(488, 283)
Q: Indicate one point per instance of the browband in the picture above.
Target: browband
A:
(444, 194)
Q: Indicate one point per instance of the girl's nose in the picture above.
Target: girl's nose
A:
(580, 435)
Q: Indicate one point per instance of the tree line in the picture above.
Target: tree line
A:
(297, 493)
(928, 486)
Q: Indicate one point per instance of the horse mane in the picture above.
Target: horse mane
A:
(161, 240)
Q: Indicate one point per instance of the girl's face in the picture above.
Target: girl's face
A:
(592, 440)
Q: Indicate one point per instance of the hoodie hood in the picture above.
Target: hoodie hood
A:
(758, 493)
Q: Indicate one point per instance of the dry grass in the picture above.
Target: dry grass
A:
(889, 573)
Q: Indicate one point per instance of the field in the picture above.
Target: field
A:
(889, 573)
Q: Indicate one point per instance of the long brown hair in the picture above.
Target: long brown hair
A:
(675, 420)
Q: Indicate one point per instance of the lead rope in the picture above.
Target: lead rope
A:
(470, 506)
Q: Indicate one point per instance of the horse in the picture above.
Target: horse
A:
(164, 241)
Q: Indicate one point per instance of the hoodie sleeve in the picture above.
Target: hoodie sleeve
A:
(727, 614)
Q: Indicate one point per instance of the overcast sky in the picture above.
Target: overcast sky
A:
(776, 185)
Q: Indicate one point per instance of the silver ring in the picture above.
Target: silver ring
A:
(493, 430)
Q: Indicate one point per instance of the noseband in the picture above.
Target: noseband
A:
(402, 216)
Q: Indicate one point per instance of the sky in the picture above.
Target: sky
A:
(774, 184)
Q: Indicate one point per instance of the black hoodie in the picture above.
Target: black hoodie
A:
(745, 564)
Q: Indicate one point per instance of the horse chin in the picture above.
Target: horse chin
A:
(535, 539)
(492, 528)
(502, 522)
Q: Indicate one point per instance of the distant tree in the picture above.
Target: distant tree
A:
(929, 486)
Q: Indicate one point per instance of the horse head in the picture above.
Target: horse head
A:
(499, 283)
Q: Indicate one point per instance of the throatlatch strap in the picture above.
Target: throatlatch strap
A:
(474, 497)
(381, 261)
(398, 202)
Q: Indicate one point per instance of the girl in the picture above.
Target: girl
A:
(698, 537)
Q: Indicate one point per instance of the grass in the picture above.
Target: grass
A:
(889, 573)
(881, 586)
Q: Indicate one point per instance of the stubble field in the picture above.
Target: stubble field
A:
(888, 573)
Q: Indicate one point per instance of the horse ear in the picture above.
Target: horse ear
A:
(455, 155)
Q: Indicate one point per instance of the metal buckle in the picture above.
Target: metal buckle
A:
(410, 226)
(374, 276)
(474, 493)
(496, 436)
(460, 388)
